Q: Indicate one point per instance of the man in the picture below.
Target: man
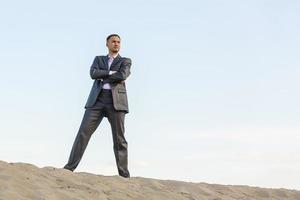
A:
(108, 98)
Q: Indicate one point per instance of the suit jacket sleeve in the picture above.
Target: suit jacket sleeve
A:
(121, 74)
(96, 72)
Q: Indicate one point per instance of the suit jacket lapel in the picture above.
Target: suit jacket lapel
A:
(105, 61)
(106, 58)
(115, 61)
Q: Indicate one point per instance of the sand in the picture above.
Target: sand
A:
(22, 181)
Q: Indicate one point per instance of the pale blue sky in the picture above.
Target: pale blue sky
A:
(213, 94)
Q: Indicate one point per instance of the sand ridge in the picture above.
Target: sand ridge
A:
(23, 181)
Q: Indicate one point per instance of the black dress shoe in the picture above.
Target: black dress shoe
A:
(66, 167)
(127, 175)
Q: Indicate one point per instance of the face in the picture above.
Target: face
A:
(113, 44)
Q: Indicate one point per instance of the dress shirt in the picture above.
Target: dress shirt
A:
(110, 60)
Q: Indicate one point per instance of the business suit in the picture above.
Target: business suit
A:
(112, 104)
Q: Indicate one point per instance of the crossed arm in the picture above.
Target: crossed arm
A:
(111, 76)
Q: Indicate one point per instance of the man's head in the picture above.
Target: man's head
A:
(113, 43)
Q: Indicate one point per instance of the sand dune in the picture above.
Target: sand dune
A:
(21, 181)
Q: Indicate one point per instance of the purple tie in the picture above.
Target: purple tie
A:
(110, 60)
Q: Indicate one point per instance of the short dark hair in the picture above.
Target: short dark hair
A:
(112, 35)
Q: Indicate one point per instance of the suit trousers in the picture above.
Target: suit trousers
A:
(91, 120)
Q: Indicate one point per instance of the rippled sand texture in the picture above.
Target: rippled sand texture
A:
(20, 181)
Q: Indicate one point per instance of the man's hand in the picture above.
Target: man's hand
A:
(112, 72)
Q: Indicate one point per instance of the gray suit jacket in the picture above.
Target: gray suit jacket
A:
(99, 70)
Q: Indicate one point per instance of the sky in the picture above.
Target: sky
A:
(213, 92)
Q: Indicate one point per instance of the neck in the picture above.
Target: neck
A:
(113, 53)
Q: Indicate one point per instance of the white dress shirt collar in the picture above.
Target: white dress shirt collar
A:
(112, 55)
